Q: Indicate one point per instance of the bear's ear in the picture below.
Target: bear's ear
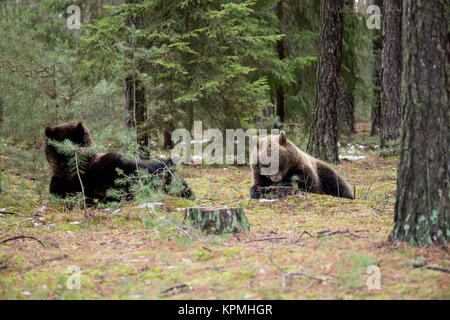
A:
(48, 132)
(80, 126)
(282, 138)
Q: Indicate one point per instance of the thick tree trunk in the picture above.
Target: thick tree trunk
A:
(376, 76)
(324, 130)
(218, 221)
(281, 54)
(134, 90)
(391, 72)
(423, 183)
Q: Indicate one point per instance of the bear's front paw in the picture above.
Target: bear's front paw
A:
(255, 192)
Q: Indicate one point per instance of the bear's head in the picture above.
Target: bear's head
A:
(273, 156)
(76, 132)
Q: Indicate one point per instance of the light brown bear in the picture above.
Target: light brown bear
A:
(296, 168)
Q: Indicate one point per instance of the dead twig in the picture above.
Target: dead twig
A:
(264, 239)
(299, 274)
(46, 261)
(23, 237)
(10, 213)
(325, 233)
(301, 235)
(431, 267)
(174, 290)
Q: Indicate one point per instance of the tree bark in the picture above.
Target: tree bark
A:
(218, 221)
(281, 55)
(347, 108)
(1, 112)
(134, 90)
(347, 99)
(324, 130)
(167, 140)
(423, 185)
(376, 75)
(391, 72)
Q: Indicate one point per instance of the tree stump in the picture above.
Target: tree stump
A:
(217, 220)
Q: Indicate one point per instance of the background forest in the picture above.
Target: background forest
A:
(229, 64)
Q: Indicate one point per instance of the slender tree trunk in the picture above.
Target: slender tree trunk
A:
(1, 112)
(167, 140)
(376, 75)
(423, 183)
(134, 90)
(391, 72)
(280, 103)
(347, 99)
(190, 120)
(324, 130)
(347, 108)
(134, 96)
(281, 55)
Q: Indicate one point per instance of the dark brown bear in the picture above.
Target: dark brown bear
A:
(101, 172)
(296, 168)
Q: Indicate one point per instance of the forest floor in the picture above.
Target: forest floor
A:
(147, 254)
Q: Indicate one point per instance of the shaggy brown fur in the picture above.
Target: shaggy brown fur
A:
(296, 168)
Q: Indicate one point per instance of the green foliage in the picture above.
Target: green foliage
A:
(391, 149)
(200, 55)
(78, 157)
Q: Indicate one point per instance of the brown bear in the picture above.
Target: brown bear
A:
(100, 172)
(295, 168)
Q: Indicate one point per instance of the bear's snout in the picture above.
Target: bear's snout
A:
(276, 177)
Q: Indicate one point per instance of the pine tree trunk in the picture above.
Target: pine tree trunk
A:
(347, 100)
(1, 111)
(376, 76)
(134, 96)
(134, 90)
(280, 103)
(423, 183)
(167, 140)
(324, 130)
(281, 55)
(218, 221)
(391, 72)
(347, 109)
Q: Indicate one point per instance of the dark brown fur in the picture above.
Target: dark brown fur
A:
(101, 171)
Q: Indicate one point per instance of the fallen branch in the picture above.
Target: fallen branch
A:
(301, 235)
(325, 233)
(264, 239)
(46, 261)
(176, 289)
(299, 274)
(431, 267)
(23, 237)
(10, 212)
